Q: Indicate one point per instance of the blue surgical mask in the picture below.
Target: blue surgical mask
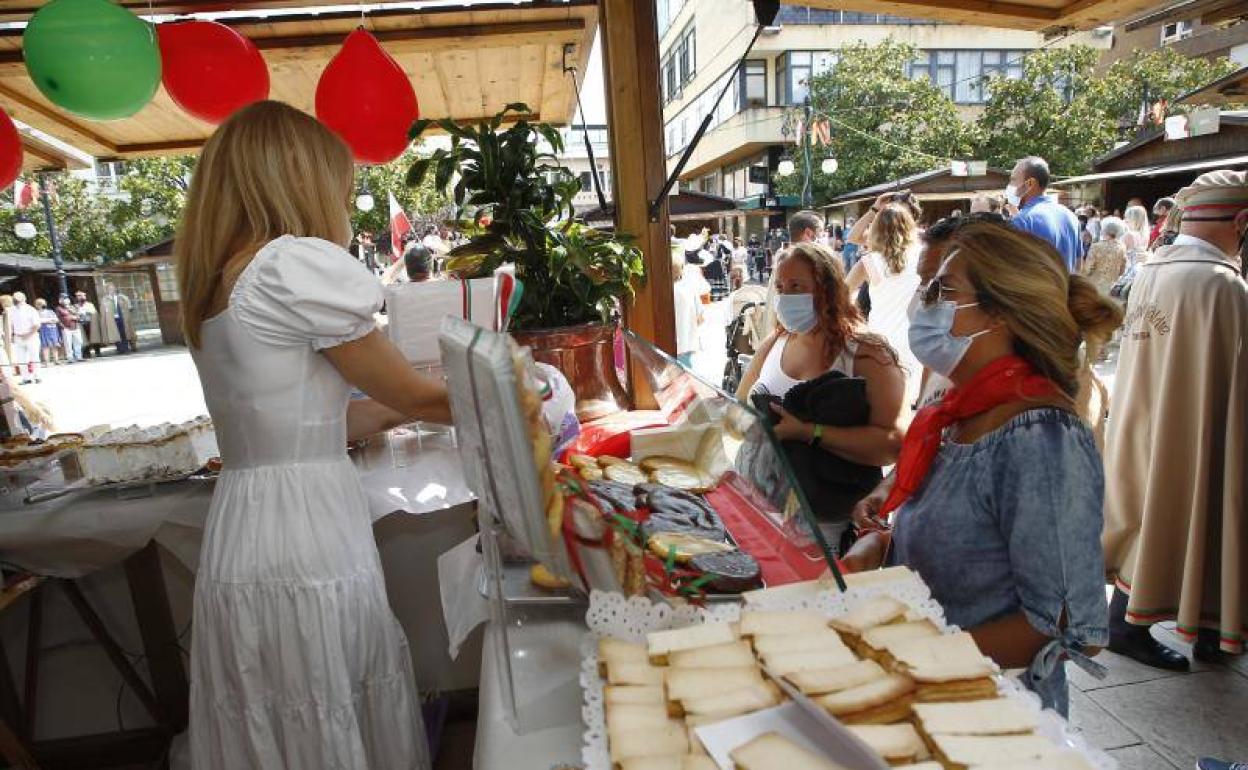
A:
(796, 312)
(931, 338)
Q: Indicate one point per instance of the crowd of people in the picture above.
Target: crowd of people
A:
(37, 335)
(1018, 486)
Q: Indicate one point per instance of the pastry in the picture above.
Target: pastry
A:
(731, 572)
(606, 461)
(716, 656)
(673, 762)
(652, 464)
(612, 496)
(812, 639)
(694, 683)
(617, 651)
(994, 750)
(591, 474)
(782, 663)
(763, 622)
(648, 742)
(772, 750)
(614, 695)
(624, 473)
(581, 462)
(874, 612)
(725, 705)
(632, 716)
(542, 577)
(881, 701)
(660, 644)
(996, 716)
(823, 681)
(684, 480)
(882, 639)
(893, 743)
(683, 547)
(634, 673)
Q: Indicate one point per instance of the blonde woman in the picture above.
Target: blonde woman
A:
(1107, 259)
(297, 660)
(999, 488)
(1136, 239)
(889, 268)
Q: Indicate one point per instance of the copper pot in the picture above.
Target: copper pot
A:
(586, 356)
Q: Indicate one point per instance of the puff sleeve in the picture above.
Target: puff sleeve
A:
(307, 291)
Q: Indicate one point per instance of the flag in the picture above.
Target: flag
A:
(24, 194)
(399, 227)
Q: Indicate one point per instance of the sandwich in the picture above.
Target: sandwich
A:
(882, 701)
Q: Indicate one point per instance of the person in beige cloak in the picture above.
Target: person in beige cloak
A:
(116, 327)
(1176, 458)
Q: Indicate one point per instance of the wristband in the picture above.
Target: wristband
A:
(816, 438)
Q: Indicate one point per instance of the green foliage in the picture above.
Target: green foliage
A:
(424, 203)
(885, 126)
(869, 95)
(512, 197)
(1067, 112)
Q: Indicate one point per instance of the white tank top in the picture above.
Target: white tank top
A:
(774, 381)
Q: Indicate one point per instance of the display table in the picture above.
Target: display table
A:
(546, 657)
(420, 505)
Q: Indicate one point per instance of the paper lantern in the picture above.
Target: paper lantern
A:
(210, 70)
(364, 97)
(10, 151)
(92, 58)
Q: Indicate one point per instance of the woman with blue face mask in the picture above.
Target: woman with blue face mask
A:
(997, 500)
(821, 330)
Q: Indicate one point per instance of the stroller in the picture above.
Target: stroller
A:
(744, 333)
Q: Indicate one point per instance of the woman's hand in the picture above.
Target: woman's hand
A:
(866, 514)
(867, 553)
(790, 428)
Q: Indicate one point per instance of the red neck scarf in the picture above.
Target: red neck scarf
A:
(1007, 379)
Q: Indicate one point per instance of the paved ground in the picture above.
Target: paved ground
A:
(1147, 719)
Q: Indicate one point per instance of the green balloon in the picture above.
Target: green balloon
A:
(92, 58)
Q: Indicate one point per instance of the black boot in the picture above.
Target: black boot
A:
(1137, 643)
(1207, 648)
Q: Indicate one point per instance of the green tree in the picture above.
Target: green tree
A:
(81, 221)
(1067, 112)
(423, 203)
(884, 125)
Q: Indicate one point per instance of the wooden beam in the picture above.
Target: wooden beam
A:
(21, 10)
(51, 121)
(635, 116)
(991, 12)
(160, 637)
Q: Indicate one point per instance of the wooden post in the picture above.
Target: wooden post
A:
(630, 49)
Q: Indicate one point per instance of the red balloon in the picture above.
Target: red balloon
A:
(10, 151)
(365, 98)
(210, 70)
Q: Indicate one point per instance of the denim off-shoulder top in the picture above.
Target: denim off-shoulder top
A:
(1013, 522)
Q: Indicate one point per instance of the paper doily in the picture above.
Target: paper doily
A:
(614, 615)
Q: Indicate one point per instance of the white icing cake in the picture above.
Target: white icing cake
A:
(135, 453)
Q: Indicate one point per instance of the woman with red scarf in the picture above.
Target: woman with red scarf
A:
(997, 496)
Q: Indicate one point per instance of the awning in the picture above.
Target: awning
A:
(1234, 161)
(465, 61)
(11, 264)
(1232, 88)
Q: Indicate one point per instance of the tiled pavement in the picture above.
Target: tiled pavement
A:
(1150, 719)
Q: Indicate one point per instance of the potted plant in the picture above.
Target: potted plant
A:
(515, 204)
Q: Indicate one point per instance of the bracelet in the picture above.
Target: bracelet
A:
(816, 437)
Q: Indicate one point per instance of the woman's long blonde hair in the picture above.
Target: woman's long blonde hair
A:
(269, 170)
(1022, 280)
(892, 234)
(1136, 219)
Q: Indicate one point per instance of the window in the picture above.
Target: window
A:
(752, 86)
(587, 181)
(1177, 30)
(963, 74)
(799, 14)
(666, 12)
(794, 69)
(679, 66)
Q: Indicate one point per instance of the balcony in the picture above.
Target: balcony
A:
(741, 136)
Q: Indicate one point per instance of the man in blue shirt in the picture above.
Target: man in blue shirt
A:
(1039, 215)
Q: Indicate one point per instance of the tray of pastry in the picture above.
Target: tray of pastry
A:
(666, 527)
(889, 685)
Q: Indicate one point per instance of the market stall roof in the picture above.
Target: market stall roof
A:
(1233, 162)
(38, 155)
(937, 184)
(1231, 89)
(1048, 16)
(683, 206)
(11, 264)
(466, 62)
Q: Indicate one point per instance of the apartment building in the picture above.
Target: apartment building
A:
(577, 159)
(701, 40)
(1197, 28)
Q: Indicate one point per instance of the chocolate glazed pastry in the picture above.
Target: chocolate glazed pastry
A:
(732, 572)
(666, 522)
(613, 496)
(683, 506)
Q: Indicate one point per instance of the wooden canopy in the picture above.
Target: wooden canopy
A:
(1052, 17)
(465, 63)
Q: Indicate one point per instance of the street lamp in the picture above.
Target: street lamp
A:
(829, 166)
(785, 168)
(364, 201)
(24, 229)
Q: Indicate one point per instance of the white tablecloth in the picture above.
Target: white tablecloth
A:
(405, 471)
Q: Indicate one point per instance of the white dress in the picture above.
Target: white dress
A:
(891, 294)
(297, 660)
